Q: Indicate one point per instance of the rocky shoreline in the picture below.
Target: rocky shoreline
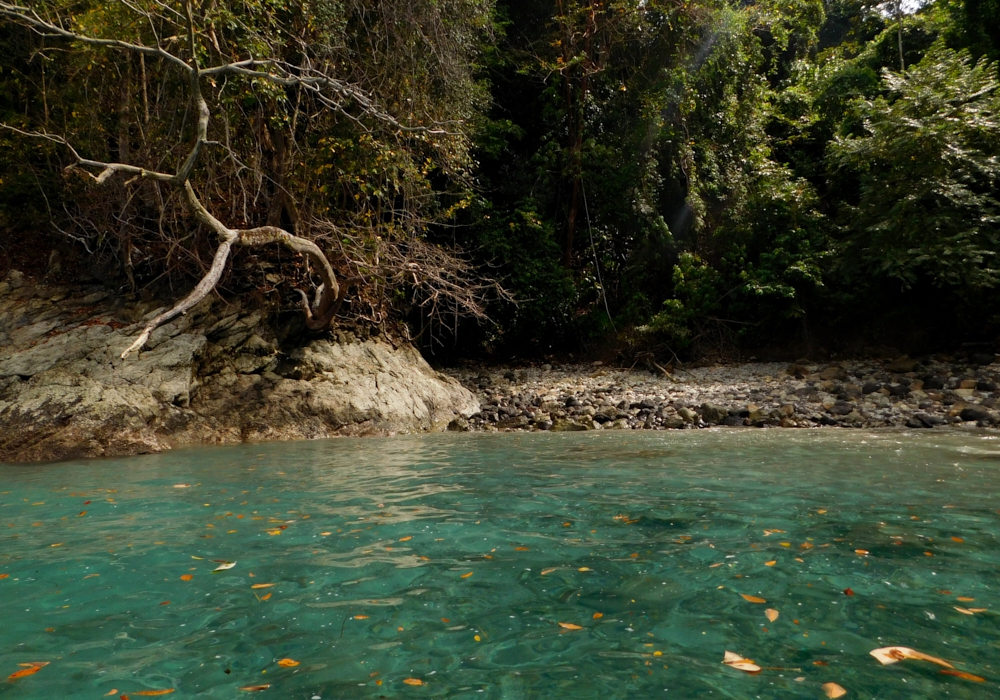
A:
(903, 392)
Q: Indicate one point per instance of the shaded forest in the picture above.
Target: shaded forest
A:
(597, 178)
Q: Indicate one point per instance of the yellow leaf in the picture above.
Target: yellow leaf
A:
(752, 598)
(167, 691)
(957, 539)
(360, 617)
(771, 563)
(740, 664)
(569, 626)
(468, 574)
(965, 599)
(771, 614)
(186, 577)
(406, 539)
(891, 655)
(413, 681)
(862, 552)
(547, 571)
(287, 663)
(584, 568)
(964, 611)
(833, 690)
(598, 616)
(255, 688)
(262, 585)
(266, 597)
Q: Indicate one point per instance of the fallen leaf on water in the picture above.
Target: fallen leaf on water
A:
(360, 617)
(111, 692)
(977, 610)
(413, 681)
(848, 591)
(547, 571)
(186, 577)
(406, 539)
(862, 552)
(166, 602)
(806, 545)
(468, 574)
(569, 626)
(520, 549)
(287, 663)
(957, 539)
(266, 597)
(752, 598)
(445, 619)
(833, 690)
(584, 568)
(32, 668)
(166, 691)
(57, 544)
(964, 598)
(771, 563)
(821, 511)
(964, 611)
(326, 534)
(3, 576)
(225, 566)
(182, 486)
(715, 565)
(962, 674)
(890, 655)
(198, 558)
(817, 663)
(598, 616)
(262, 585)
(255, 688)
(928, 554)
(740, 664)
(771, 614)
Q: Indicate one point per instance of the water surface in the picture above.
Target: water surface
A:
(452, 560)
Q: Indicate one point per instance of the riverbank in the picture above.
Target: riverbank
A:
(218, 374)
(902, 392)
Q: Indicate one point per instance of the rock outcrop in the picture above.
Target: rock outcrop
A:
(215, 375)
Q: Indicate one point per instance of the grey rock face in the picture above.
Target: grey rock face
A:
(214, 375)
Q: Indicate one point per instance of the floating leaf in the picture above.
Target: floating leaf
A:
(31, 669)
(406, 539)
(520, 549)
(890, 655)
(771, 563)
(965, 599)
(166, 691)
(182, 486)
(806, 545)
(3, 576)
(752, 598)
(862, 552)
(848, 591)
(569, 626)
(964, 611)
(545, 572)
(255, 688)
(833, 690)
(957, 539)
(266, 597)
(111, 692)
(962, 674)
(771, 614)
(287, 663)
(225, 566)
(468, 574)
(186, 577)
(413, 681)
(262, 585)
(360, 617)
(740, 664)
(584, 568)
(715, 565)
(821, 511)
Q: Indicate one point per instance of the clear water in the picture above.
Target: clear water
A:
(371, 571)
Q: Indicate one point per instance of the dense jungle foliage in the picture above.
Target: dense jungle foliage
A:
(634, 176)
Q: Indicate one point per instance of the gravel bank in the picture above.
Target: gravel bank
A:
(903, 392)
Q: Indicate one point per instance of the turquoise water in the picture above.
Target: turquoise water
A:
(646, 541)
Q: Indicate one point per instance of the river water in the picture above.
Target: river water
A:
(583, 565)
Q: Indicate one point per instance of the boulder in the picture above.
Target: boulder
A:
(713, 414)
(976, 413)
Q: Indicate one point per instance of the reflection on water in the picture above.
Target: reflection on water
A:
(452, 561)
